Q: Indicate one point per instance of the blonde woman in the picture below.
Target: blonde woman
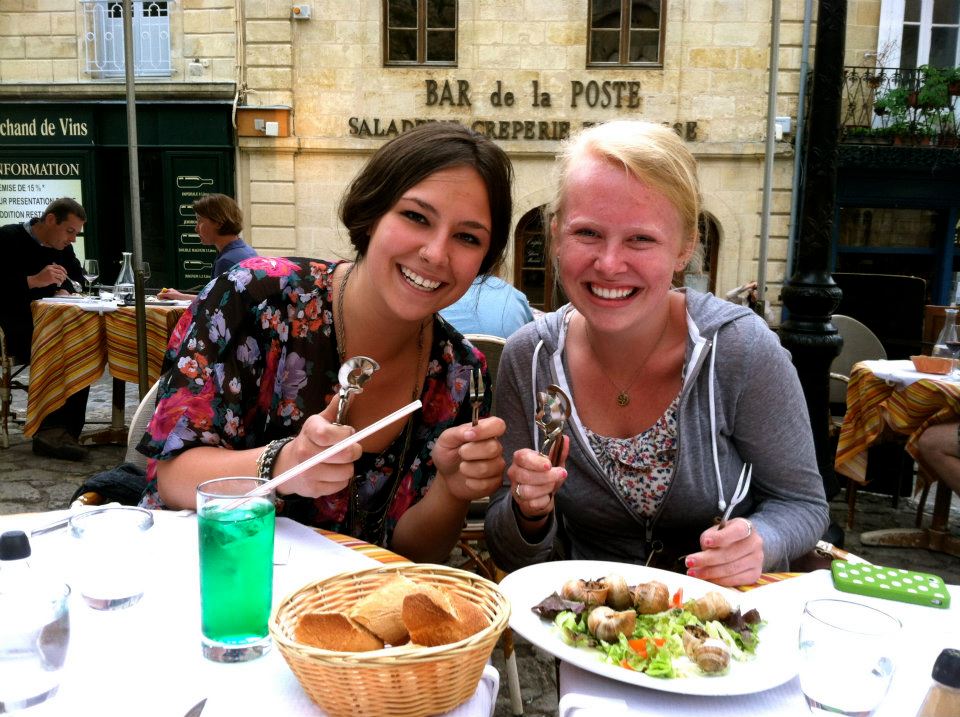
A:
(673, 391)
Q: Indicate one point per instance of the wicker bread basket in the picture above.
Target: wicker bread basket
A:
(398, 681)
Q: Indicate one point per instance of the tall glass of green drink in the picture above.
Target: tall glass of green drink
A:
(236, 568)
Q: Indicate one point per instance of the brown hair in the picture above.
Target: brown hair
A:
(222, 211)
(62, 208)
(413, 156)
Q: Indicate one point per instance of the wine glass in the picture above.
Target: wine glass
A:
(145, 270)
(91, 270)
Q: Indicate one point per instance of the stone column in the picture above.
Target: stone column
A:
(810, 294)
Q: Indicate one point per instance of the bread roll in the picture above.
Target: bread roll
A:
(333, 631)
(380, 611)
(434, 617)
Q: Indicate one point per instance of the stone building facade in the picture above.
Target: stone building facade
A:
(311, 94)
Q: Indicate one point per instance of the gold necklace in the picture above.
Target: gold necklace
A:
(623, 394)
(363, 523)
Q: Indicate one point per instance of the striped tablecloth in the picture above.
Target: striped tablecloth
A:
(381, 555)
(71, 347)
(875, 405)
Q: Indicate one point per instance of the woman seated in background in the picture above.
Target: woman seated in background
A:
(219, 223)
(253, 388)
(674, 391)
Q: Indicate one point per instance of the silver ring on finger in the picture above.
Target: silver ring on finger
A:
(749, 527)
(516, 492)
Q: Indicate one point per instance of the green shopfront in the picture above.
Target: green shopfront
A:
(50, 150)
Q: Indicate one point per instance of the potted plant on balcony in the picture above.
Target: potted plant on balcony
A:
(893, 102)
(934, 93)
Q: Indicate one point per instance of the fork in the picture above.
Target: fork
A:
(739, 493)
(476, 394)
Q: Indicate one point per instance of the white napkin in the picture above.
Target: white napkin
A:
(900, 372)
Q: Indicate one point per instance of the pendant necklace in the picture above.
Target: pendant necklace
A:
(623, 394)
(370, 524)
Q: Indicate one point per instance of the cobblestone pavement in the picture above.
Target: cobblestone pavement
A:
(31, 483)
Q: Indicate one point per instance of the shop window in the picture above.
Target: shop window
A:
(420, 32)
(533, 270)
(626, 33)
(919, 32)
(103, 38)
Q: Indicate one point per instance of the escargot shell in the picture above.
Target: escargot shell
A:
(651, 598)
(619, 596)
(607, 624)
(712, 606)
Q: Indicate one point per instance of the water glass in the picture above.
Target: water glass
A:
(847, 655)
(34, 635)
(112, 555)
(236, 568)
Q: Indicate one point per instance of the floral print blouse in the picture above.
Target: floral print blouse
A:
(258, 355)
(641, 467)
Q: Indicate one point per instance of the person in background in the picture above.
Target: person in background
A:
(219, 223)
(675, 392)
(253, 388)
(939, 451)
(39, 262)
(490, 306)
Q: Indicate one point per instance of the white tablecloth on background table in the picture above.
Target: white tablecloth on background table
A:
(900, 371)
(926, 631)
(146, 660)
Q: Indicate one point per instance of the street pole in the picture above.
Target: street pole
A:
(810, 294)
(134, 169)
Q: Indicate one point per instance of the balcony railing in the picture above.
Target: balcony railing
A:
(883, 105)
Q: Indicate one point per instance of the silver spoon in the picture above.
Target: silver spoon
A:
(353, 374)
(552, 414)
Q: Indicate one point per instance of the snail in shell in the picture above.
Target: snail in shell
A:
(591, 592)
(606, 624)
(709, 654)
(712, 606)
(651, 598)
(619, 596)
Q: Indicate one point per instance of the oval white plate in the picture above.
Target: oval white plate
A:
(774, 664)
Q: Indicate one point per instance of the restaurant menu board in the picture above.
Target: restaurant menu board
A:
(22, 198)
(193, 177)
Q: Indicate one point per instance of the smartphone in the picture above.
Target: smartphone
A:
(877, 581)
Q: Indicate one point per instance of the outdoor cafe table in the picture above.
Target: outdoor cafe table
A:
(926, 631)
(146, 660)
(890, 396)
(72, 344)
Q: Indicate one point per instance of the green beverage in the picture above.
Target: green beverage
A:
(236, 571)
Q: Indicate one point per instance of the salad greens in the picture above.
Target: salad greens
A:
(656, 645)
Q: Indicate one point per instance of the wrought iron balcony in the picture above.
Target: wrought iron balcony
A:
(918, 107)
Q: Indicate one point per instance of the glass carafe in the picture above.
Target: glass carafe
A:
(123, 290)
(948, 345)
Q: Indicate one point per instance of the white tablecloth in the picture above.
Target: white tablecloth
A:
(900, 372)
(146, 660)
(926, 631)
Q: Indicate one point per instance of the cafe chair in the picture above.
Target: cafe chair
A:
(472, 541)
(10, 370)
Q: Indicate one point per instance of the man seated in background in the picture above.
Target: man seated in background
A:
(939, 448)
(38, 263)
(490, 306)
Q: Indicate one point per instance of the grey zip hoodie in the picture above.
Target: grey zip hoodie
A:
(740, 402)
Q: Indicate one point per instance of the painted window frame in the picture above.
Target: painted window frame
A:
(422, 37)
(623, 53)
(890, 35)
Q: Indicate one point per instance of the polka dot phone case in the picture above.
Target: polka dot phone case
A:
(890, 583)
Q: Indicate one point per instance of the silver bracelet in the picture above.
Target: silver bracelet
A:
(268, 458)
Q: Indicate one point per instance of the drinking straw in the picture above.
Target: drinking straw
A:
(328, 452)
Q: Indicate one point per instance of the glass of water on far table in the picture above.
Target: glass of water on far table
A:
(236, 568)
(847, 655)
(91, 270)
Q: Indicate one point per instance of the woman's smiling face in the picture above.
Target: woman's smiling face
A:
(426, 250)
(619, 242)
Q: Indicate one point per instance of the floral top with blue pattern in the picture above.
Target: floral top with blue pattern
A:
(641, 467)
(258, 355)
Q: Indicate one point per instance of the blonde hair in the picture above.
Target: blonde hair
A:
(651, 153)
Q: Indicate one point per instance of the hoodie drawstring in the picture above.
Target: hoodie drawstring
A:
(721, 503)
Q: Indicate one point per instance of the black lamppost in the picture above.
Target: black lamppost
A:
(810, 294)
